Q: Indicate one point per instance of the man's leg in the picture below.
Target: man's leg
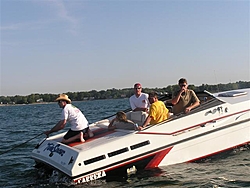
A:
(74, 138)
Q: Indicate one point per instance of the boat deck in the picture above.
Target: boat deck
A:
(101, 135)
(235, 96)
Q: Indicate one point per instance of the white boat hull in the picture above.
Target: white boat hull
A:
(214, 127)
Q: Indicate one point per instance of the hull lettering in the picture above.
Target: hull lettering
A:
(91, 177)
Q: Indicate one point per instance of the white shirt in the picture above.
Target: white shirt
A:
(139, 102)
(75, 117)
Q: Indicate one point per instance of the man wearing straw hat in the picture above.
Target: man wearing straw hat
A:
(79, 124)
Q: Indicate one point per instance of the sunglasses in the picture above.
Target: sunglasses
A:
(138, 88)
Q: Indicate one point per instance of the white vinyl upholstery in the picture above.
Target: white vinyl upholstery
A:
(137, 117)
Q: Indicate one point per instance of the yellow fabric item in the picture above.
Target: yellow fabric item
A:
(158, 112)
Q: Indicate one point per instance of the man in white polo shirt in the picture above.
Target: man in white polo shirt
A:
(139, 101)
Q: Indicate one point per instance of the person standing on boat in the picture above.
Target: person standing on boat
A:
(184, 100)
(157, 111)
(139, 101)
(79, 124)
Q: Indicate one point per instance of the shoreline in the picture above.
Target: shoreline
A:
(26, 104)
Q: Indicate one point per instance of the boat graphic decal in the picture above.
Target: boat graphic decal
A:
(71, 160)
(54, 149)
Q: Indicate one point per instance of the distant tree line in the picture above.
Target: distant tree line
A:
(117, 93)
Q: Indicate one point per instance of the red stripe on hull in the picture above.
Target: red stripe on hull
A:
(218, 152)
(158, 158)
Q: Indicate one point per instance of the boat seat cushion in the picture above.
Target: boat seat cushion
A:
(137, 117)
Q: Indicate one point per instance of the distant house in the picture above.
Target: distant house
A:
(39, 100)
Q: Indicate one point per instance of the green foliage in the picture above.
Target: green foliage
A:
(117, 93)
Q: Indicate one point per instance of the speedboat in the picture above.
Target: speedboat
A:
(219, 124)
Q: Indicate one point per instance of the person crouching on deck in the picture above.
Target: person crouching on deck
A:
(79, 124)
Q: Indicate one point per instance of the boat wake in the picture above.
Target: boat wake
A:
(54, 177)
(57, 177)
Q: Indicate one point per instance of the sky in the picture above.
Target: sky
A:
(58, 46)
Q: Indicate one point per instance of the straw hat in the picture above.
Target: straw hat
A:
(63, 97)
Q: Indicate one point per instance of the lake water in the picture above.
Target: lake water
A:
(19, 124)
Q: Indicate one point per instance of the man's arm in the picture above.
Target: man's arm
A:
(196, 102)
(141, 109)
(146, 122)
(132, 105)
(111, 127)
(176, 99)
(188, 109)
(60, 125)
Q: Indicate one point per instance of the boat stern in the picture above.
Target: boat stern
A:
(56, 155)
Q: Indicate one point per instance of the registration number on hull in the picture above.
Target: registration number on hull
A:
(91, 177)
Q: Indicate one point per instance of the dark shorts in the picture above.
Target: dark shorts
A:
(71, 133)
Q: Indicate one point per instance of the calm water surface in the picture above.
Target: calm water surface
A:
(19, 124)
